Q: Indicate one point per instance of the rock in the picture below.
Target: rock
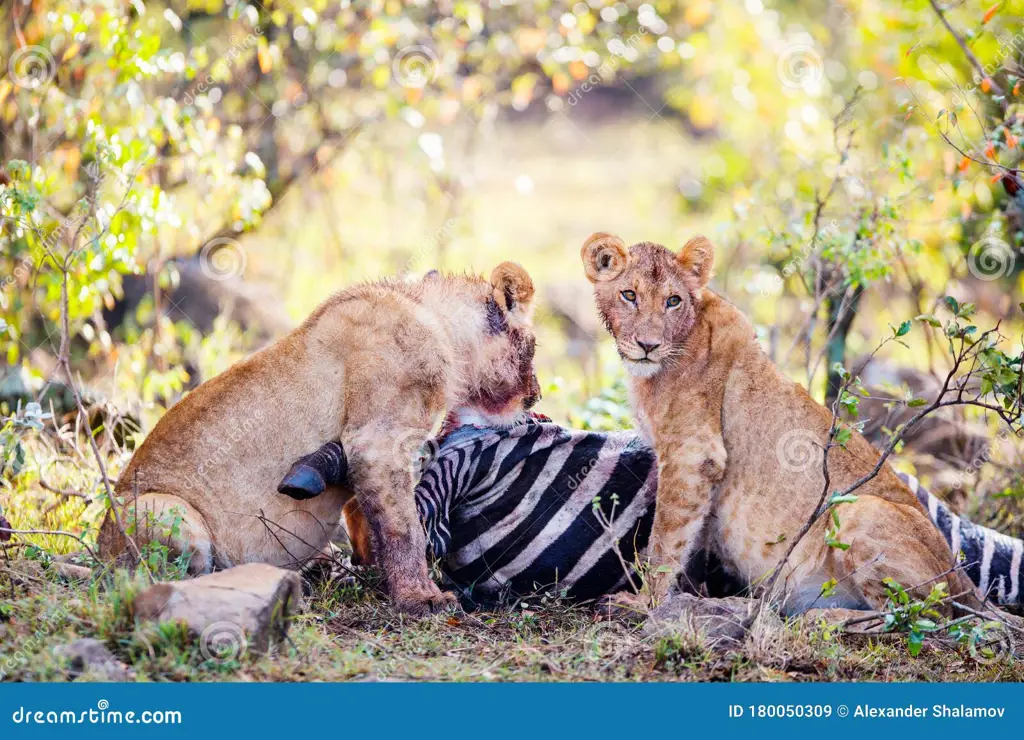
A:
(91, 658)
(246, 606)
(719, 621)
(72, 572)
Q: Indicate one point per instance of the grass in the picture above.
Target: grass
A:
(348, 633)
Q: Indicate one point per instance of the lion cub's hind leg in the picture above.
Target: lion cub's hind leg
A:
(162, 520)
(886, 540)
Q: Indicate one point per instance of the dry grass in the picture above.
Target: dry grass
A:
(349, 634)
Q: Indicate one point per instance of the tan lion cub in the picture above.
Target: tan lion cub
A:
(719, 414)
(377, 367)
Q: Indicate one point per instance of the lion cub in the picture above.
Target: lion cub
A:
(719, 414)
(376, 367)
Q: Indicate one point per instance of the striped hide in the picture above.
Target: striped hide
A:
(512, 512)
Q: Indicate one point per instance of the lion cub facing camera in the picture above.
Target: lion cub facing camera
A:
(715, 408)
(376, 366)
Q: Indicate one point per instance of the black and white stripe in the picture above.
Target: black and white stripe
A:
(511, 511)
(992, 560)
(521, 516)
(525, 521)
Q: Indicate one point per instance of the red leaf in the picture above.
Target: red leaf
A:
(1011, 184)
(4, 524)
(989, 13)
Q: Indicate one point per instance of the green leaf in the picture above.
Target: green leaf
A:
(914, 643)
(927, 318)
(915, 402)
(954, 306)
(904, 329)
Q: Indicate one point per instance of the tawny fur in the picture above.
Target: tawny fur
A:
(715, 408)
(376, 366)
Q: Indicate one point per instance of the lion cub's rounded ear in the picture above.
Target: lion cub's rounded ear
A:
(604, 257)
(697, 257)
(513, 289)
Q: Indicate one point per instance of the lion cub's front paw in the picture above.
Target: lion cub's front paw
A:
(419, 599)
(621, 605)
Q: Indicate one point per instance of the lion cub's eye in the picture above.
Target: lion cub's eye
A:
(628, 296)
(673, 301)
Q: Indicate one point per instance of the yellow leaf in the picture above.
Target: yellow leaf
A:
(5, 90)
(531, 40)
(263, 56)
(71, 52)
(560, 83)
(698, 13)
(703, 113)
(471, 89)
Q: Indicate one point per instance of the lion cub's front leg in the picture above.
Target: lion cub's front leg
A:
(394, 395)
(687, 474)
(382, 475)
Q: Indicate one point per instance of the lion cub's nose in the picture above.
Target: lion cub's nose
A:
(647, 347)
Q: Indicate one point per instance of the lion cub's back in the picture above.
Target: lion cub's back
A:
(232, 431)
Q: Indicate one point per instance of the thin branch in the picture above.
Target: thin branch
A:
(966, 49)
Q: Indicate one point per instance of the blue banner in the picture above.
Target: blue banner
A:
(500, 710)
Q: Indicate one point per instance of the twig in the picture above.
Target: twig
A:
(58, 532)
(62, 492)
(966, 49)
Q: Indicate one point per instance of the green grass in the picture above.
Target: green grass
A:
(350, 634)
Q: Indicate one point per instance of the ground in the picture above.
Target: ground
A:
(349, 633)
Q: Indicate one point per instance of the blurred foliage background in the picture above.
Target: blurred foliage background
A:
(186, 179)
